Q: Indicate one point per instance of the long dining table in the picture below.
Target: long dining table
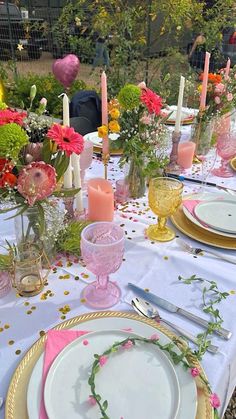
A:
(150, 265)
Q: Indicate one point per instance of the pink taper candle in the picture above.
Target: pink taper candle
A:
(227, 68)
(100, 200)
(105, 143)
(205, 81)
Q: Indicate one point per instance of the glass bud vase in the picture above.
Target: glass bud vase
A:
(136, 178)
(202, 136)
(33, 232)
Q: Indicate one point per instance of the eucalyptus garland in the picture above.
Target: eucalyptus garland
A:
(184, 358)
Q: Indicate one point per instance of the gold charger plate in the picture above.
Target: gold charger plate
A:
(187, 227)
(15, 406)
(188, 121)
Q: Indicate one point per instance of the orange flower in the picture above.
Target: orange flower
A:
(115, 113)
(113, 104)
(7, 179)
(102, 131)
(212, 78)
(114, 126)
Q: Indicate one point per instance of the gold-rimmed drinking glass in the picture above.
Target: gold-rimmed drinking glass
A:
(164, 197)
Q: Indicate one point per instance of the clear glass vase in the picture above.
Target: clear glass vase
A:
(33, 231)
(203, 136)
(136, 178)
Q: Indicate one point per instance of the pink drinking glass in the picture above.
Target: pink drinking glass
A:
(226, 149)
(86, 158)
(102, 249)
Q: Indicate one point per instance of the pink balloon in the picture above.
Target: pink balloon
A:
(66, 69)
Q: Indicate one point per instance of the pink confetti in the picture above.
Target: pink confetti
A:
(85, 342)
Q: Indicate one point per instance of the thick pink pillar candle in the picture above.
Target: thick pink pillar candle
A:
(100, 200)
(105, 142)
(185, 154)
(227, 68)
(205, 81)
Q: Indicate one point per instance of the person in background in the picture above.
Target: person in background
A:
(101, 52)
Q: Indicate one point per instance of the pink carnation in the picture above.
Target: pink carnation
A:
(152, 101)
(195, 372)
(8, 116)
(103, 360)
(217, 100)
(146, 119)
(36, 181)
(229, 97)
(66, 139)
(214, 400)
(128, 344)
(142, 85)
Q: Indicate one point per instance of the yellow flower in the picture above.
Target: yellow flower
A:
(199, 88)
(102, 131)
(115, 113)
(114, 103)
(114, 126)
(232, 292)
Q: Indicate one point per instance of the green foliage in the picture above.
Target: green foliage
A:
(5, 261)
(47, 86)
(68, 239)
(211, 298)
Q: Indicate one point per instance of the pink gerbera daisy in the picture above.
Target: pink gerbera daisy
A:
(8, 116)
(36, 181)
(152, 101)
(66, 139)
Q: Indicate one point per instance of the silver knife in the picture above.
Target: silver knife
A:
(152, 298)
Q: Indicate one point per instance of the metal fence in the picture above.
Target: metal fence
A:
(26, 33)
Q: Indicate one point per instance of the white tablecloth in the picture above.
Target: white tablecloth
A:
(150, 265)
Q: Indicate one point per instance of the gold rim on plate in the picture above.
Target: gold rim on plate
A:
(16, 406)
(183, 224)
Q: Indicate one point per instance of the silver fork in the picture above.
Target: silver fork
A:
(197, 250)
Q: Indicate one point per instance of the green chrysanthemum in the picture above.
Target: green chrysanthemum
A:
(12, 139)
(3, 106)
(129, 96)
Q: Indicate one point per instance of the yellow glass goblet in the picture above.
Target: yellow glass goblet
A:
(165, 196)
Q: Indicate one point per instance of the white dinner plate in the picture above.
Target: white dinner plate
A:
(188, 394)
(218, 214)
(194, 220)
(187, 115)
(94, 138)
(142, 369)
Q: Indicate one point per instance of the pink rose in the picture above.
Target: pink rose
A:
(128, 344)
(155, 337)
(219, 88)
(92, 401)
(103, 360)
(217, 100)
(229, 97)
(214, 400)
(194, 372)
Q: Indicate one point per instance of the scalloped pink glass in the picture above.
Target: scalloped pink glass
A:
(86, 158)
(5, 283)
(226, 149)
(102, 249)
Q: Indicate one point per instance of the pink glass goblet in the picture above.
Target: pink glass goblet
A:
(102, 249)
(226, 149)
(86, 158)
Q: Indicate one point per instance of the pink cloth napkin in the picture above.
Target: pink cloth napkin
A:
(190, 204)
(56, 341)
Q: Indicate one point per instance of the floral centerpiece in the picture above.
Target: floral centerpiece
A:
(220, 103)
(136, 115)
(30, 175)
